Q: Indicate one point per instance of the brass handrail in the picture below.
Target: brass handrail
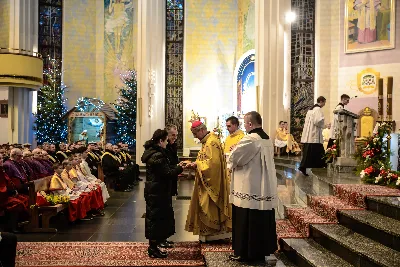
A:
(19, 51)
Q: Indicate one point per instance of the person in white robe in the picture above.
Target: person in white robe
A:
(313, 149)
(335, 131)
(90, 177)
(326, 134)
(253, 193)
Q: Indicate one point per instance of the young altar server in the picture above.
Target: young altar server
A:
(335, 131)
(313, 150)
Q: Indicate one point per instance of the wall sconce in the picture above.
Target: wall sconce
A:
(290, 17)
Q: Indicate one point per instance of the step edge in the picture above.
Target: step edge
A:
(342, 212)
(370, 198)
(362, 254)
(320, 248)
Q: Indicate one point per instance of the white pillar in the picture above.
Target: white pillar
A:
(20, 120)
(23, 35)
(270, 60)
(150, 71)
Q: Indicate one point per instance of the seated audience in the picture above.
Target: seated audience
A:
(13, 200)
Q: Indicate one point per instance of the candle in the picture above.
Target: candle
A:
(380, 99)
(389, 98)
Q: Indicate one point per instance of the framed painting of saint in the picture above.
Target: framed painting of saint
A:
(369, 25)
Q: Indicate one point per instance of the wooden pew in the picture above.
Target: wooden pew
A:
(40, 216)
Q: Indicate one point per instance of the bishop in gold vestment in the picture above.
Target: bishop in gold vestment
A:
(209, 207)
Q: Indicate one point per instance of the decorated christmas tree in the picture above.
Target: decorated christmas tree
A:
(49, 126)
(126, 106)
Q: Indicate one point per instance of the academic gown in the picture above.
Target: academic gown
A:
(313, 150)
(208, 214)
(38, 170)
(10, 201)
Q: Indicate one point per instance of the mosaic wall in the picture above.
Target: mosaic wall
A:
(174, 66)
(302, 64)
(211, 39)
(119, 44)
(246, 27)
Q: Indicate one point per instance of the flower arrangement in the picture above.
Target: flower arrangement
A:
(332, 152)
(57, 199)
(373, 159)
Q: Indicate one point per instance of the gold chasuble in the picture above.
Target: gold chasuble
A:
(66, 180)
(56, 183)
(232, 140)
(208, 212)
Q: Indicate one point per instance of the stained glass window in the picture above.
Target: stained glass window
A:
(50, 30)
(302, 64)
(174, 66)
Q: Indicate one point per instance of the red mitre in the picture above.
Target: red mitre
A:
(196, 124)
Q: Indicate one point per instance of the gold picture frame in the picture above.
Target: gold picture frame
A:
(367, 29)
(3, 108)
(367, 81)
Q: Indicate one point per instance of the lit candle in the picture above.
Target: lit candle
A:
(389, 98)
(380, 99)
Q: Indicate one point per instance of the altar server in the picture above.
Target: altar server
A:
(313, 150)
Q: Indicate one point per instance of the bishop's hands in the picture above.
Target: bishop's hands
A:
(187, 164)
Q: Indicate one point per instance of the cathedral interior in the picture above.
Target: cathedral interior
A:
(83, 80)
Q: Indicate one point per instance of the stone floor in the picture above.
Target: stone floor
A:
(122, 221)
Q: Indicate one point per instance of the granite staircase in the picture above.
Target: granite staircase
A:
(341, 225)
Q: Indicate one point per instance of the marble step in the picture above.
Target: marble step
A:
(356, 249)
(287, 160)
(380, 228)
(387, 206)
(221, 259)
(307, 252)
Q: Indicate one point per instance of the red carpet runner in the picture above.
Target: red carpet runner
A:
(104, 254)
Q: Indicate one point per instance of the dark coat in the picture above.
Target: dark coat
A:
(172, 152)
(160, 222)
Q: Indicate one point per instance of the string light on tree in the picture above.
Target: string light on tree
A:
(49, 126)
(126, 105)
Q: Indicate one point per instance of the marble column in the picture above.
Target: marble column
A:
(150, 71)
(270, 64)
